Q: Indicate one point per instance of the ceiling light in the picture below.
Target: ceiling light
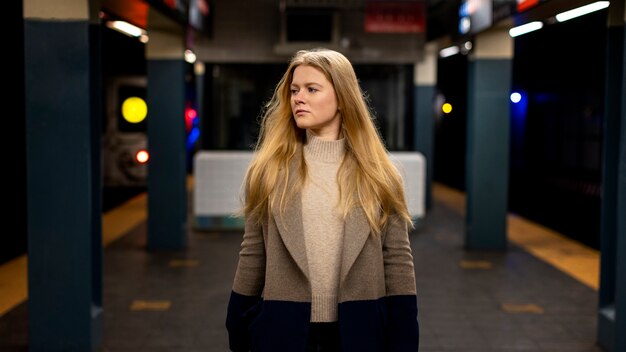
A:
(583, 10)
(190, 56)
(525, 28)
(126, 28)
(449, 51)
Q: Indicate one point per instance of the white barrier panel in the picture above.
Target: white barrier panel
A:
(218, 176)
(412, 167)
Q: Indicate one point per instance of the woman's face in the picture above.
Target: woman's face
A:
(314, 103)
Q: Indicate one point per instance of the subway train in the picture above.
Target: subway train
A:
(125, 148)
(125, 145)
(124, 139)
(125, 131)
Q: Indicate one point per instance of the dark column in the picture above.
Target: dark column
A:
(97, 108)
(611, 303)
(487, 155)
(167, 169)
(64, 235)
(620, 271)
(425, 83)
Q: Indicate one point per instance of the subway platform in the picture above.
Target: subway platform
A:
(539, 295)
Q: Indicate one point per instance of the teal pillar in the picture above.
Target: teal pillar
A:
(97, 109)
(63, 191)
(425, 86)
(167, 168)
(487, 158)
(620, 271)
(612, 292)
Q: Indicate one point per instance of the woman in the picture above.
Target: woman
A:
(325, 263)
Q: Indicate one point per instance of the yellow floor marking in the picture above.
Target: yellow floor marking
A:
(115, 223)
(475, 264)
(450, 197)
(13, 283)
(120, 220)
(572, 257)
(150, 305)
(521, 308)
(175, 263)
(579, 261)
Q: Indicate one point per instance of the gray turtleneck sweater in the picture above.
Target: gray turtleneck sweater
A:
(323, 224)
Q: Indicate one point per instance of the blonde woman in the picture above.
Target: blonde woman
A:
(325, 262)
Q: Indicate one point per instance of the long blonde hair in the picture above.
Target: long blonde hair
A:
(367, 177)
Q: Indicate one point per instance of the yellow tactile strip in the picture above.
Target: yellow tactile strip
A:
(569, 256)
(577, 260)
(115, 223)
(13, 283)
(121, 220)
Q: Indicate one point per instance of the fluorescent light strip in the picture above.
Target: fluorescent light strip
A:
(126, 28)
(449, 51)
(525, 28)
(583, 10)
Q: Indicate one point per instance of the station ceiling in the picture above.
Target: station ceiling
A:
(441, 15)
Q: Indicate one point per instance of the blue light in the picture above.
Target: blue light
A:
(518, 127)
(193, 137)
(464, 9)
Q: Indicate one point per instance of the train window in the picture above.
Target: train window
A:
(309, 25)
(132, 111)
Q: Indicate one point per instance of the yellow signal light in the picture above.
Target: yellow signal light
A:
(134, 109)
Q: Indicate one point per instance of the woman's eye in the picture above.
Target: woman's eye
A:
(312, 90)
(294, 91)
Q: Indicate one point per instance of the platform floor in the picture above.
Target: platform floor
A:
(469, 301)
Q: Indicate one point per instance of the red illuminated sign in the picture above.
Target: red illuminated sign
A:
(394, 17)
(523, 5)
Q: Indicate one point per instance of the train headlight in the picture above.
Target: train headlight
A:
(142, 156)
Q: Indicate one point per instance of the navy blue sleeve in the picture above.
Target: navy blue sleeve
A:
(402, 324)
(241, 311)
